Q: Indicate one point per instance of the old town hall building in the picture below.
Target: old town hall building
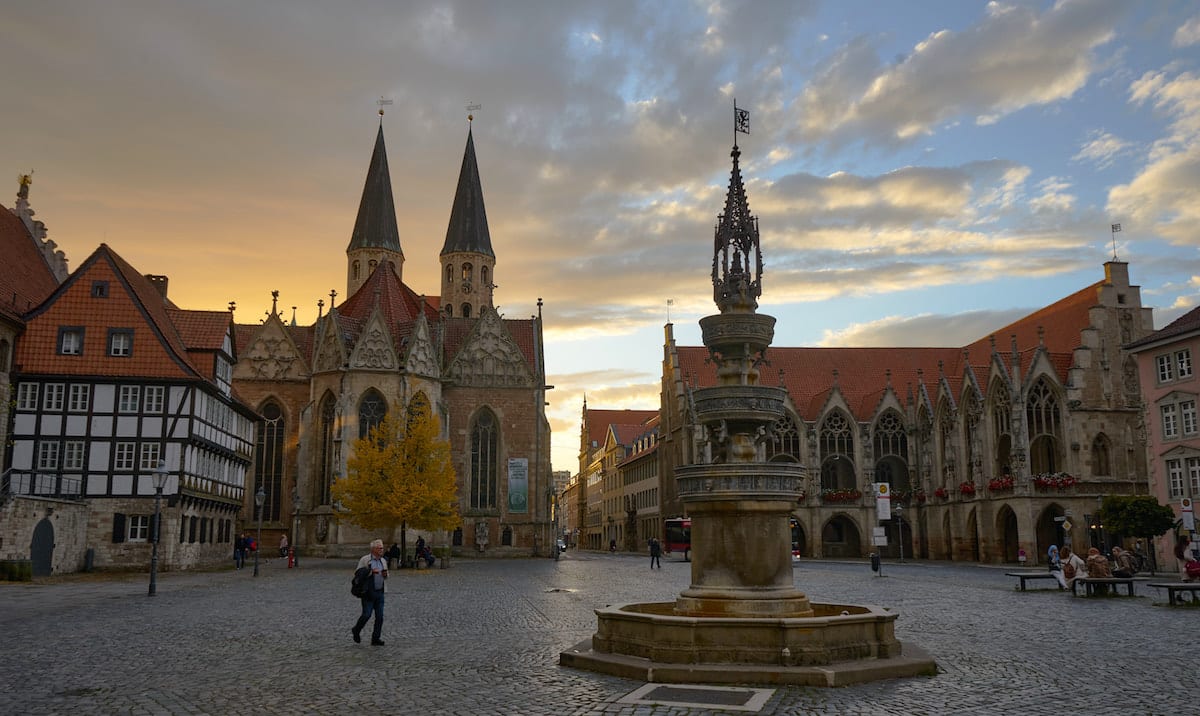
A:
(319, 388)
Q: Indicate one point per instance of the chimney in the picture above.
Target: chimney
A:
(159, 283)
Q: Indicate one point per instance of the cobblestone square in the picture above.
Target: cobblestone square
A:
(483, 637)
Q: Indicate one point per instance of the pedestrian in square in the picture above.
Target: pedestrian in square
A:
(372, 599)
(239, 551)
(655, 553)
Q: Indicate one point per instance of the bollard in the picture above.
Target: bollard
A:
(292, 556)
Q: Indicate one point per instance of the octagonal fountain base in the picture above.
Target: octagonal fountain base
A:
(840, 644)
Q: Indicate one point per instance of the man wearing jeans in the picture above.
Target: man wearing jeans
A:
(372, 599)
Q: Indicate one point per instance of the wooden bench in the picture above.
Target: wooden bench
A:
(1090, 584)
(1026, 576)
(1175, 587)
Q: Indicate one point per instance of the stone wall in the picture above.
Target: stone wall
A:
(20, 515)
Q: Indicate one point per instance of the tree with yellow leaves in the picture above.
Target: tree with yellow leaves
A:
(401, 475)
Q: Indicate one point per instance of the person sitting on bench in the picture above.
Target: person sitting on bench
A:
(1097, 567)
(1125, 565)
(1073, 566)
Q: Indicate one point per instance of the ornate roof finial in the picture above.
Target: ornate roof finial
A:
(737, 256)
(332, 298)
(232, 306)
(293, 316)
(382, 103)
(471, 109)
(274, 302)
(320, 307)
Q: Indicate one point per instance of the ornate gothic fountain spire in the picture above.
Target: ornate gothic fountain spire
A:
(737, 256)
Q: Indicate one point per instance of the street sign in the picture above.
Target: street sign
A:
(1187, 512)
(1067, 525)
(883, 501)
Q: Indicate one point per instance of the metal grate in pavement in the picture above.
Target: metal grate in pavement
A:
(728, 698)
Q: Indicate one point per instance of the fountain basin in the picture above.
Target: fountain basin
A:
(840, 644)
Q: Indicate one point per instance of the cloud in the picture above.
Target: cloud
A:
(1188, 33)
(1013, 58)
(926, 330)
(1101, 149)
(1162, 196)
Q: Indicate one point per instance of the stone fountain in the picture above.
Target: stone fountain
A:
(743, 620)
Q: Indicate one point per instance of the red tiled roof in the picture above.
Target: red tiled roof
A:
(1060, 322)
(26, 279)
(132, 302)
(523, 331)
(598, 422)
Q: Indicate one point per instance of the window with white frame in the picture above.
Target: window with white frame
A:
(139, 528)
(70, 341)
(27, 396)
(1166, 369)
(120, 342)
(1175, 477)
(48, 455)
(149, 456)
(124, 456)
(78, 402)
(73, 455)
(53, 398)
(130, 395)
(1183, 363)
(1170, 421)
(155, 398)
(1193, 467)
(1187, 416)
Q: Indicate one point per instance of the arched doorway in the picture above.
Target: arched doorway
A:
(840, 538)
(41, 548)
(972, 544)
(1006, 525)
(1049, 530)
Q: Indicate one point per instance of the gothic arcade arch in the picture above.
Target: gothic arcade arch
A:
(1009, 534)
(840, 537)
(1049, 530)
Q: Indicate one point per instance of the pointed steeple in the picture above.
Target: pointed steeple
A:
(468, 262)
(468, 230)
(375, 227)
(375, 239)
(737, 257)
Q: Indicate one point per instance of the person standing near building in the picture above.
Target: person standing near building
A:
(239, 551)
(655, 553)
(372, 599)
(283, 546)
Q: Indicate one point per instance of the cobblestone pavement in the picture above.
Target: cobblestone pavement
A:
(483, 637)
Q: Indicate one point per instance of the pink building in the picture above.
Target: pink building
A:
(1170, 388)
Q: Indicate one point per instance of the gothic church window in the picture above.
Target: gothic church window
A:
(483, 277)
(891, 451)
(325, 468)
(1045, 429)
(449, 275)
(371, 411)
(466, 310)
(268, 458)
(355, 270)
(785, 445)
(484, 459)
(1001, 429)
(467, 269)
(836, 453)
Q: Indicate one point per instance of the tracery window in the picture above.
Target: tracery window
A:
(484, 458)
(784, 446)
(328, 415)
(1001, 429)
(268, 458)
(372, 409)
(836, 445)
(1045, 428)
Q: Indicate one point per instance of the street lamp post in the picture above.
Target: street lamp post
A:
(296, 527)
(160, 479)
(900, 530)
(259, 498)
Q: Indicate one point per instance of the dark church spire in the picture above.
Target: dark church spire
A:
(375, 227)
(468, 229)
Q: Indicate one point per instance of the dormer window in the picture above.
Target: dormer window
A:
(120, 342)
(99, 289)
(70, 340)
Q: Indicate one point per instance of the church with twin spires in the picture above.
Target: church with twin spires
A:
(319, 388)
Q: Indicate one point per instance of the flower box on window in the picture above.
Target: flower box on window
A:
(1001, 484)
(1054, 481)
(941, 493)
(850, 495)
(966, 489)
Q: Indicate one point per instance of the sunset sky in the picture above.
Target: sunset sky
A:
(923, 172)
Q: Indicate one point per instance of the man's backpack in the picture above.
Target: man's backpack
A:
(360, 583)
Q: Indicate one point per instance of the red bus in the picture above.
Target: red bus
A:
(678, 533)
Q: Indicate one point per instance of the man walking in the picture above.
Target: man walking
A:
(655, 553)
(372, 599)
